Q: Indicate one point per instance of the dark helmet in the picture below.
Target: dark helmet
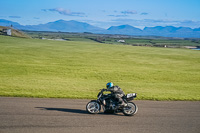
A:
(109, 85)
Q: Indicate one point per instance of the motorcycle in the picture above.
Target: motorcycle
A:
(110, 104)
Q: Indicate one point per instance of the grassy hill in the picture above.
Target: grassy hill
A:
(76, 69)
(15, 33)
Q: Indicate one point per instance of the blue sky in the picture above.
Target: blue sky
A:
(104, 13)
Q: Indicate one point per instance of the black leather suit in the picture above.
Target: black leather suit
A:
(117, 92)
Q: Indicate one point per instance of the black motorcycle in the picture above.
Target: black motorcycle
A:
(110, 104)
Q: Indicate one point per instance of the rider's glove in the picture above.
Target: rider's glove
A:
(104, 89)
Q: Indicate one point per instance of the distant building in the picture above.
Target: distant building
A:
(7, 32)
(120, 40)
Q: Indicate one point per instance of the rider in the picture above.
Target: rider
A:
(117, 93)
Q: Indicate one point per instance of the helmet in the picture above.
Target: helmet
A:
(109, 85)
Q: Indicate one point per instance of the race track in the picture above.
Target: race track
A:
(31, 115)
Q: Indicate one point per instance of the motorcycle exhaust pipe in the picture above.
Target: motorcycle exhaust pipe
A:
(104, 102)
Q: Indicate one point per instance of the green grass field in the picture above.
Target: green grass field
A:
(77, 69)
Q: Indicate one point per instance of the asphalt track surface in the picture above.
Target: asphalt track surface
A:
(31, 115)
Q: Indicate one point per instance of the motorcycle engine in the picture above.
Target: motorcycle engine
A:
(110, 104)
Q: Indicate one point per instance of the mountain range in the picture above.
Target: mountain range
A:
(75, 26)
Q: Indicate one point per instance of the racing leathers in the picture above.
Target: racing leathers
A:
(117, 92)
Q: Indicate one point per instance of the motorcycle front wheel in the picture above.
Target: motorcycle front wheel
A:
(93, 107)
(130, 109)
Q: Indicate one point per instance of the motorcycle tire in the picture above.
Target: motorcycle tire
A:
(93, 107)
(130, 109)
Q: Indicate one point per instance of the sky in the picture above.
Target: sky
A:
(104, 13)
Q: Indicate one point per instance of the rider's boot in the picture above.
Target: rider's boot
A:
(121, 105)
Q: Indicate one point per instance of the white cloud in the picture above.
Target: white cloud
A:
(129, 12)
(118, 15)
(144, 13)
(14, 17)
(65, 12)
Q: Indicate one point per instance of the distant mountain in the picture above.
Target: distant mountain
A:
(75, 26)
(170, 31)
(65, 26)
(4, 22)
(60, 25)
(124, 29)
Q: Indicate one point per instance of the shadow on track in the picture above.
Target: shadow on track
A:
(78, 111)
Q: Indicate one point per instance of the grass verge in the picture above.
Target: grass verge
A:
(75, 69)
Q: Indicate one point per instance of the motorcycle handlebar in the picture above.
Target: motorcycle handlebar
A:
(103, 89)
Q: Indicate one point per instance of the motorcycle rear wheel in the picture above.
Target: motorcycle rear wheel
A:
(93, 107)
(130, 109)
